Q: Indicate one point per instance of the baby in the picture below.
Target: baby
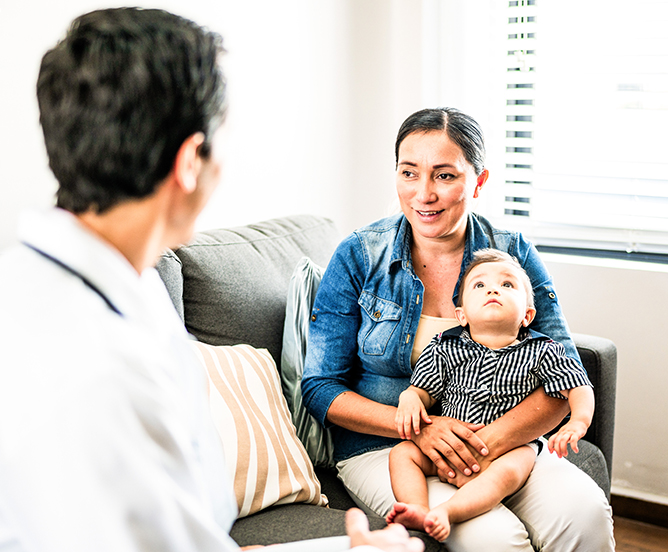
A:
(479, 371)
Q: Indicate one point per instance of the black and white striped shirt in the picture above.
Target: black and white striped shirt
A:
(478, 385)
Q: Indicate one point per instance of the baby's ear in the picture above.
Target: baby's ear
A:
(460, 316)
(528, 318)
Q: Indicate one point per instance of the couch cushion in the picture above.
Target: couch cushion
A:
(300, 522)
(169, 268)
(236, 279)
(264, 457)
(590, 460)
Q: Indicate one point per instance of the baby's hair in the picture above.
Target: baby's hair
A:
(495, 256)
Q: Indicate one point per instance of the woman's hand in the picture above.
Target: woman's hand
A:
(445, 441)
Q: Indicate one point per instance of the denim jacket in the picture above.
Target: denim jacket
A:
(367, 310)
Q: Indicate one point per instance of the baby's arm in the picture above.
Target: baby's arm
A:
(412, 410)
(581, 402)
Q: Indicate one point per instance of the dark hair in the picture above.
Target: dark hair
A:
(461, 129)
(483, 256)
(119, 95)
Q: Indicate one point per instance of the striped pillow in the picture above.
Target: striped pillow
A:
(266, 460)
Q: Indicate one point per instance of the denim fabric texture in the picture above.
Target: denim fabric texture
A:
(367, 310)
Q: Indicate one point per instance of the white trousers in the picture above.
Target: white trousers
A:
(559, 509)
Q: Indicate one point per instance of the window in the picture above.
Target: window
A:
(586, 126)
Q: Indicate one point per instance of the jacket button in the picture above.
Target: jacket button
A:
(551, 295)
(313, 317)
(376, 314)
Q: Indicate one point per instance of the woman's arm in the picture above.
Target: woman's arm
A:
(550, 319)
(357, 413)
(329, 366)
(533, 417)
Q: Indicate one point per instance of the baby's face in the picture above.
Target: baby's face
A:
(494, 293)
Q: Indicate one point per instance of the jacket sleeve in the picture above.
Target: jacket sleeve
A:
(331, 356)
(550, 319)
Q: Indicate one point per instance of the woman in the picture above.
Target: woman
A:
(388, 289)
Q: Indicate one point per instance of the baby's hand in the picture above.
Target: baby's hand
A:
(571, 433)
(410, 413)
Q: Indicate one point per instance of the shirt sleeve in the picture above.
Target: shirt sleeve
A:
(559, 372)
(428, 373)
(331, 356)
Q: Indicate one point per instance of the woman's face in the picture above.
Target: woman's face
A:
(435, 185)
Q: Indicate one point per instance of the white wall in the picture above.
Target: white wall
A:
(317, 93)
(318, 90)
(627, 303)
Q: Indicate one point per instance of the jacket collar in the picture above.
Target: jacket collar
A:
(401, 251)
(479, 235)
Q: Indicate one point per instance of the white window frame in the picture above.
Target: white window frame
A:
(578, 194)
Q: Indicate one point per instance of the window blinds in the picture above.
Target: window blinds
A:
(520, 107)
(586, 141)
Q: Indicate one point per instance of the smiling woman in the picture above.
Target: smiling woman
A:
(408, 268)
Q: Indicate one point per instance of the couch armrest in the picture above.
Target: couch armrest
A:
(599, 357)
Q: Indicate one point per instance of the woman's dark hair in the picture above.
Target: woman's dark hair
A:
(462, 129)
(119, 95)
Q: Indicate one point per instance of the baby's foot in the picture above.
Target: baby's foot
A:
(410, 516)
(437, 523)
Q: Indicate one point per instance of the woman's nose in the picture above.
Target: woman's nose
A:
(425, 192)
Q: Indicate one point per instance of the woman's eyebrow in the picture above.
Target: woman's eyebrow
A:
(439, 166)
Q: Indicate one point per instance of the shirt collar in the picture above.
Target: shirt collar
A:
(59, 234)
(524, 335)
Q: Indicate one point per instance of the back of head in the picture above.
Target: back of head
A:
(117, 98)
(496, 256)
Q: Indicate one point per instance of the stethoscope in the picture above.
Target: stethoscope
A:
(85, 280)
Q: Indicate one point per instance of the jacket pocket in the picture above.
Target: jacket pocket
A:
(380, 319)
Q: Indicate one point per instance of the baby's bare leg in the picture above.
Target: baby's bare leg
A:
(409, 469)
(503, 477)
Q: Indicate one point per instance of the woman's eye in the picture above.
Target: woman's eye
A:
(407, 174)
(445, 176)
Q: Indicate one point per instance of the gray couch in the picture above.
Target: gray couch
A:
(230, 286)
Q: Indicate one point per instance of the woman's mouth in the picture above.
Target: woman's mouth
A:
(428, 214)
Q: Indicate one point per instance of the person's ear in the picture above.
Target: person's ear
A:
(529, 316)
(460, 316)
(482, 178)
(188, 163)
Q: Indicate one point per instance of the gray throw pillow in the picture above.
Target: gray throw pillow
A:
(301, 292)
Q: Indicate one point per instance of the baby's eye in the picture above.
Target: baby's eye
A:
(507, 284)
(478, 285)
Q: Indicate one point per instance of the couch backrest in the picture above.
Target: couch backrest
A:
(230, 285)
